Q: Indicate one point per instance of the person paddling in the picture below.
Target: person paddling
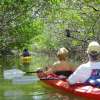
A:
(62, 66)
(88, 72)
(25, 53)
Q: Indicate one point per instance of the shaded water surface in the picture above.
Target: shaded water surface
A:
(33, 91)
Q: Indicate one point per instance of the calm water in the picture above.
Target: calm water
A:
(32, 91)
(35, 91)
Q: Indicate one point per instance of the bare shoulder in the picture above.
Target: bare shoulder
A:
(57, 63)
(61, 63)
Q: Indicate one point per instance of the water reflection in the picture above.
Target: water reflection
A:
(37, 97)
(12, 93)
(58, 96)
(25, 67)
(61, 96)
(21, 95)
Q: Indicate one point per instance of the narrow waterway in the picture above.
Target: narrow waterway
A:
(31, 91)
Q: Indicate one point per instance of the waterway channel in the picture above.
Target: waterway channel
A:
(31, 91)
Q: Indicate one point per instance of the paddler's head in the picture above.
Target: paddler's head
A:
(93, 50)
(25, 50)
(62, 53)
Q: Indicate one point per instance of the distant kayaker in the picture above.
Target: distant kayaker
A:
(62, 66)
(88, 72)
(25, 53)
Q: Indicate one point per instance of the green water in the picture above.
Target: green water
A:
(32, 91)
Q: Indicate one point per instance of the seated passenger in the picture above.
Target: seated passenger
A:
(62, 66)
(25, 53)
(90, 71)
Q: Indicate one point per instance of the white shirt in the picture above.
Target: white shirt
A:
(83, 72)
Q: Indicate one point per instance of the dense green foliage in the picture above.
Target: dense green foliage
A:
(43, 23)
(17, 23)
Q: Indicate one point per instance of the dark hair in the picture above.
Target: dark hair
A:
(25, 50)
(93, 56)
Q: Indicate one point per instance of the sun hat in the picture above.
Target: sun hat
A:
(93, 47)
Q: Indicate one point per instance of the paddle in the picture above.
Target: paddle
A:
(33, 72)
(31, 79)
(18, 76)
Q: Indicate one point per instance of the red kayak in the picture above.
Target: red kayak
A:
(87, 91)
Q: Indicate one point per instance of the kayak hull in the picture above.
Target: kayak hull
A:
(87, 91)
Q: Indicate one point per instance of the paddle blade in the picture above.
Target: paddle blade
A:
(25, 80)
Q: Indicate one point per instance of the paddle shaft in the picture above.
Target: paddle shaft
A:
(32, 72)
(47, 78)
(37, 71)
(32, 79)
(52, 78)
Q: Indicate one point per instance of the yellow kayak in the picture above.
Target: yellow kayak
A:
(26, 60)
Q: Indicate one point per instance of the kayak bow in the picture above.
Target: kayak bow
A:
(86, 91)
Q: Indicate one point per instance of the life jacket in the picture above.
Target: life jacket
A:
(94, 79)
